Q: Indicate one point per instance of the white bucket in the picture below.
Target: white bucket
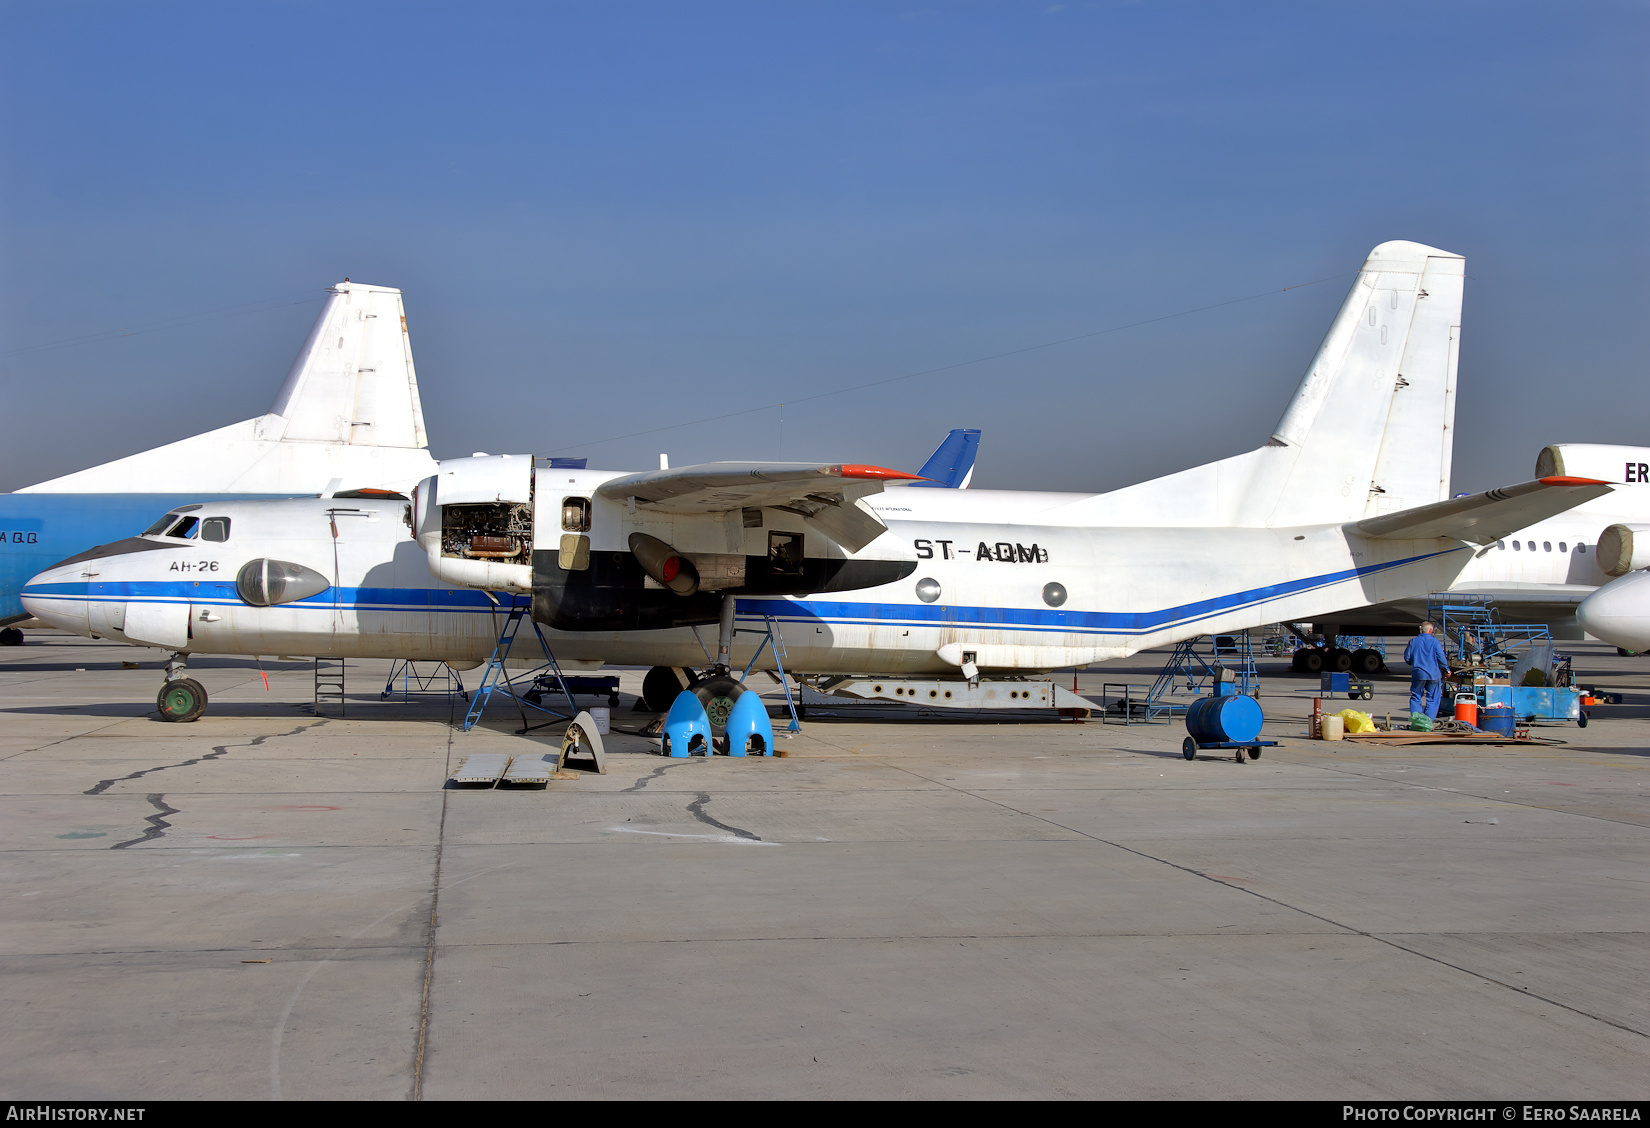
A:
(1333, 728)
(602, 715)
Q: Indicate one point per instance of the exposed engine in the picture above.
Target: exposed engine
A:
(498, 531)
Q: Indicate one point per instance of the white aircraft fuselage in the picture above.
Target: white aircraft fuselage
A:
(1125, 589)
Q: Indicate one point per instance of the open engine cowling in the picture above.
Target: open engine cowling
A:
(595, 563)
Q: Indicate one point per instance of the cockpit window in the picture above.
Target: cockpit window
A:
(184, 528)
(160, 526)
(215, 529)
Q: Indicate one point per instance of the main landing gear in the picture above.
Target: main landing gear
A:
(716, 691)
(180, 698)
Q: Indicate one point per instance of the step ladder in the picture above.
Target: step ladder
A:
(329, 683)
(497, 674)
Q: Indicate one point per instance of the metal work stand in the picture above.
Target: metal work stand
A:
(498, 672)
(772, 637)
(441, 680)
(1191, 665)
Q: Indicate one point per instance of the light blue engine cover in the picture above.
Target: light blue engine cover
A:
(749, 730)
(687, 728)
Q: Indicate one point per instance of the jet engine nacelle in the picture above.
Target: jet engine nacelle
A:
(474, 520)
(1603, 461)
(1623, 549)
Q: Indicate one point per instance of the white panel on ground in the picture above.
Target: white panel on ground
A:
(482, 767)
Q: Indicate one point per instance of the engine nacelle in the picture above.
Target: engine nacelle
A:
(474, 520)
(596, 564)
(1594, 460)
(1623, 549)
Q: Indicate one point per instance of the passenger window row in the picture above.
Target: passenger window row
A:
(1546, 546)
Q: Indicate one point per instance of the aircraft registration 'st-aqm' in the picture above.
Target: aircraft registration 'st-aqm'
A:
(1346, 504)
(347, 417)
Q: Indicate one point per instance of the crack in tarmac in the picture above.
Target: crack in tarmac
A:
(217, 750)
(697, 810)
(158, 823)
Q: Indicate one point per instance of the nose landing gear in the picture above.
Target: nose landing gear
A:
(180, 699)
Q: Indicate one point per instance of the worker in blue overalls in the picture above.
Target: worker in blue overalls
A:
(1425, 655)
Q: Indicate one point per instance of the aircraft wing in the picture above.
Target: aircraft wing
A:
(823, 494)
(1486, 517)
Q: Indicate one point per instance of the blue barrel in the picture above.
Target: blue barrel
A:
(1224, 720)
(1496, 719)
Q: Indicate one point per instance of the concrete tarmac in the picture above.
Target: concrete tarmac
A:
(270, 904)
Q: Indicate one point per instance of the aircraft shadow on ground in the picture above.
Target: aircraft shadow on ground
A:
(362, 710)
(152, 665)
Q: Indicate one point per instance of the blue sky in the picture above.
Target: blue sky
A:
(615, 217)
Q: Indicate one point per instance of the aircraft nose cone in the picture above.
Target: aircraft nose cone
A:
(57, 597)
(1619, 612)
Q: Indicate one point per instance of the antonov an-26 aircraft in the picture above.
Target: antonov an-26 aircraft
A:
(1345, 505)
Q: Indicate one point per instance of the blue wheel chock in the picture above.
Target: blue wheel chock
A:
(687, 728)
(749, 730)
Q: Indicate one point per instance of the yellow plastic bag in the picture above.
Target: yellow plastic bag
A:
(1356, 721)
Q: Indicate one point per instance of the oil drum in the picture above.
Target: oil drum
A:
(1224, 720)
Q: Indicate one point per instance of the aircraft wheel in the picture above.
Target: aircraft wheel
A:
(1188, 748)
(1338, 661)
(659, 688)
(717, 695)
(1312, 663)
(1297, 661)
(1366, 663)
(11, 636)
(182, 699)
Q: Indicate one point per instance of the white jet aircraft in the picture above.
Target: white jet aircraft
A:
(1619, 612)
(1346, 504)
(1542, 573)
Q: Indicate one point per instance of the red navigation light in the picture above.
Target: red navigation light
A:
(671, 568)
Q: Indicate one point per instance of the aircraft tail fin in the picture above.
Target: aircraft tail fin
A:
(952, 465)
(1373, 422)
(353, 381)
(1369, 430)
(349, 410)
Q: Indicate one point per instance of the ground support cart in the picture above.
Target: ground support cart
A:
(1336, 683)
(1189, 748)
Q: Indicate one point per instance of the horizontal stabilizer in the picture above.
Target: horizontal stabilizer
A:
(1486, 517)
(824, 495)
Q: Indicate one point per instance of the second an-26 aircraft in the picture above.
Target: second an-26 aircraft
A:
(1346, 505)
